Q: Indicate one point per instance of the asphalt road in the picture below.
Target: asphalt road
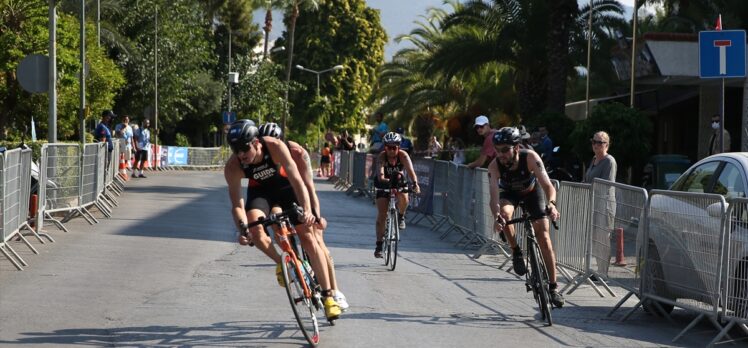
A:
(165, 271)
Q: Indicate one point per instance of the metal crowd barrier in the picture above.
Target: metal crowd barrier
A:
(15, 178)
(680, 224)
(344, 169)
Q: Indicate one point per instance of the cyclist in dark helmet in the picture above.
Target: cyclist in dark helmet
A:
(274, 181)
(304, 163)
(518, 173)
(390, 166)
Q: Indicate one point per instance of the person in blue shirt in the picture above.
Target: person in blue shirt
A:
(102, 132)
(378, 133)
(142, 143)
(405, 144)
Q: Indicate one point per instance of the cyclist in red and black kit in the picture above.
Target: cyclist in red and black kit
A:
(274, 181)
(518, 173)
(390, 165)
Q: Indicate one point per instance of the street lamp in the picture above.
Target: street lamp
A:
(318, 73)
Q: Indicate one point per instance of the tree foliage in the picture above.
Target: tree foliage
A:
(340, 32)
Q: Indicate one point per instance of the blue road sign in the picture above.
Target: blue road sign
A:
(228, 117)
(722, 53)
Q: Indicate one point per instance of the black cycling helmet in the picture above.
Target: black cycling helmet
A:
(270, 129)
(241, 133)
(506, 136)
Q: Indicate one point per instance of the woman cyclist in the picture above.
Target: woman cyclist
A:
(274, 181)
(304, 163)
(390, 165)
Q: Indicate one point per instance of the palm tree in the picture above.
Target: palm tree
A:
(294, 8)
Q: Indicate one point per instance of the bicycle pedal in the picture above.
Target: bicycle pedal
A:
(528, 287)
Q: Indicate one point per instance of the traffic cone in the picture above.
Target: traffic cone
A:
(123, 167)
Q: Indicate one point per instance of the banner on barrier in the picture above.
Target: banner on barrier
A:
(177, 156)
(164, 155)
(423, 202)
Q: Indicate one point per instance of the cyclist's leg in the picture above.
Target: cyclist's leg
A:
(382, 203)
(507, 212)
(402, 203)
(544, 242)
(261, 240)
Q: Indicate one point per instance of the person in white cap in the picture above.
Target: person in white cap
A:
(487, 151)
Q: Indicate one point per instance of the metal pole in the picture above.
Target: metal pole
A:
(82, 78)
(229, 77)
(52, 90)
(589, 58)
(633, 52)
(155, 110)
(98, 22)
(319, 126)
(722, 119)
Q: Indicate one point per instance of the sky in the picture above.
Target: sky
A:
(397, 17)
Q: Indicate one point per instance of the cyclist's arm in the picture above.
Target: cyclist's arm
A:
(405, 159)
(304, 163)
(380, 168)
(280, 154)
(493, 187)
(233, 174)
(535, 165)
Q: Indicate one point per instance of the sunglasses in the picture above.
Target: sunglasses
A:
(478, 127)
(391, 147)
(503, 149)
(236, 148)
(597, 142)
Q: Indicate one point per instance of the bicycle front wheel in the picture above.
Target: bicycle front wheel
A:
(386, 240)
(393, 240)
(302, 306)
(539, 282)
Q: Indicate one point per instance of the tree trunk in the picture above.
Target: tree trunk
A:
(267, 28)
(562, 16)
(531, 93)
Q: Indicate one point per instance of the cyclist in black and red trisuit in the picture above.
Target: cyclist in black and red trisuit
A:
(274, 181)
(518, 173)
(390, 165)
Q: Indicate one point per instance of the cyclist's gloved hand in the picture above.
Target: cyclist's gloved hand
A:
(499, 223)
(416, 188)
(321, 223)
(244, 237)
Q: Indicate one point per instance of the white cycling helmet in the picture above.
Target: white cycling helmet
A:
(392, 138)
(270, 129)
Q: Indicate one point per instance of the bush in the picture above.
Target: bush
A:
(181, 140)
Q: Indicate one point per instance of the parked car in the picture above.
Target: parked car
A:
(661, 171)
(670, 252)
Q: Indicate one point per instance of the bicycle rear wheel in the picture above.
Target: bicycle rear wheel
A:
(539, 282)
(303, 307)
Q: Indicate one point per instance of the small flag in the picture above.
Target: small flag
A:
(33, 129)
(718, 26)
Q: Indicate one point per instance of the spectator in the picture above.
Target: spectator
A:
(434, 147)
(603, 165)
(142, 143)
(103, 132)
(487, 152)
(331, 139)
(378, 132)
(547, 144)
(346, 141)
(524, 138)
(325, 160)
(124, 131)
(405, 144)
(535, 143)
(714, 142)
(456, 146)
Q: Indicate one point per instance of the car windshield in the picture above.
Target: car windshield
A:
(698, 179)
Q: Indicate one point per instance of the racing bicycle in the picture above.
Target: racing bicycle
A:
(392, 226)
(304, 293)
(536, 278)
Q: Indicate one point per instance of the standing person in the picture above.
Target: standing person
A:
(124, 131)
(406, 145)
(434, 147)
(456, 146)
(274, 182)
(102, 133)
(603, 165)
(378, 132)
(142, 143)
(390, 165)
(714, 142)
(547, 144)
(518, 173)
(304, 164)
(325, 160)
(525, 137)
(346, 141)
(487, 152)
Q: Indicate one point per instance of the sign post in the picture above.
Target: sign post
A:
(722, 55)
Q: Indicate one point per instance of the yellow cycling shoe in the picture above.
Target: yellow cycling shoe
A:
(332, 310)
(279, 275)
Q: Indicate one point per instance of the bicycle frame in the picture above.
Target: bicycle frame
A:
(281, 237)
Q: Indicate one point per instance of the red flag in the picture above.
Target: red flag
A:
(719, 23)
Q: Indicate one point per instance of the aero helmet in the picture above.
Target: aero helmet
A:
(241, 133)
(270, 129)
(392, 138)
(506, 136)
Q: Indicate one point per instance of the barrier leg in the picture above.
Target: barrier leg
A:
(13, 261)
(619, 304)
(620, 260)
(49, 218)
